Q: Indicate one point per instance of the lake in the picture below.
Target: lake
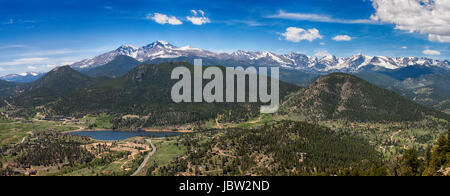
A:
(122, 135)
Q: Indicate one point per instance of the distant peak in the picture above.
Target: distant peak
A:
(29, 73)
(128, 46)
(328, 57)
(162, 42)
(61, 68)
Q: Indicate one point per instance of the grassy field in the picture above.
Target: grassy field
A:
(102, 121)
(15, 131)
(112, 169)
(166, 151)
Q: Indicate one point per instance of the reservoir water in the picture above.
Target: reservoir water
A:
(122, 135)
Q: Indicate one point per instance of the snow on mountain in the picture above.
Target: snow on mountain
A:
(158, 49)
(23, 77)
(164, 50)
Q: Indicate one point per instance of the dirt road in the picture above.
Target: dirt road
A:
(146, 158)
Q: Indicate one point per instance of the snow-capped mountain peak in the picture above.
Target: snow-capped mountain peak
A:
(158, 49)
(127, 47)
(159, 45)
(329, 63)
(28, 74)
(22, 77)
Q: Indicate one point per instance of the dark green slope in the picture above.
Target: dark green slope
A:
(411, 72)
(120, 66)
(283, 148)
(424, 85)
(7, 88)
(56, 83)
(347, 97)
(145, 91)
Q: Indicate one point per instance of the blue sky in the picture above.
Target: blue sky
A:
(39, 35)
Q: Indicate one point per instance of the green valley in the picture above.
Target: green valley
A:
(336, 125)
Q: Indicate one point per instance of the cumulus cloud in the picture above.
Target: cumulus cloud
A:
(198, 20)
(164, 19)
(431, 52)
(429, 17)
(342, 38)
(198, 17)
(318, 18)
(295, 34)
(404, 47)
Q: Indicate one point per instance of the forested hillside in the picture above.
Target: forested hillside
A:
(120, 66)
(283, 148)
(144, 91)
(347, 97)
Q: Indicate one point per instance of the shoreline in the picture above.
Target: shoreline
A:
(149, 130)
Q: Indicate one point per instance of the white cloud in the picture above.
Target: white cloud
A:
(24, 61)
(430, 17)
(198, 20)
(295, 34)
(318, 18)
(431, 52)
(323, 43)
(164, 19)
(405, 47)
(342, 38)
(31, 67)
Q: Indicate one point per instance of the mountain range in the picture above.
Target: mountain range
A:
(422, 80)
(163, 51)
(23, 77)
(145, 91)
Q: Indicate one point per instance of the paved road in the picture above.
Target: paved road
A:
(146, 158)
